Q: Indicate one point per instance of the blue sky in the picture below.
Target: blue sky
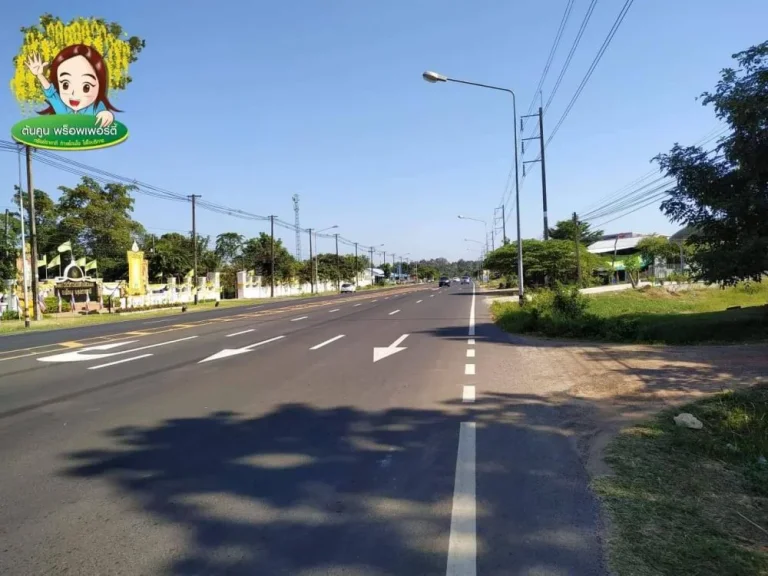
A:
(248, 103)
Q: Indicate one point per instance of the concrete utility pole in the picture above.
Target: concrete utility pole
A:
(272, 257)
(33, 239)
(193, 198)
(371, 265)
(311, 265)
(541, 159)
(356, 274)
(338, 265)
(577, 241)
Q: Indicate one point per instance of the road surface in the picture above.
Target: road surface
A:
(359, 435)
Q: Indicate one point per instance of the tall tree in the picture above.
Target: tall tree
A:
(257, 253)
(97, 219)
(566, 230)
(724, 196)
(49, 236)
(229, 245)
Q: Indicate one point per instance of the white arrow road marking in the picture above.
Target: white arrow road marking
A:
(394, 312)
(78, 355)
(318, 346)
(241, 332)
(227, 352)
(299, 318)
(394, 348)
(139, 357)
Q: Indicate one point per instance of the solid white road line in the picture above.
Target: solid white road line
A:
(419, 301)
(469, 369)
(241, 332)
(357, 304)
(471, 342)
(469, 394)
(462, 542)
(139, 357)
(471, 353)
(299, 318)
(394, 312)
(334, 310)
(472, 314)
(339, 337)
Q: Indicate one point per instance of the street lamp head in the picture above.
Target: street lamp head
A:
(434, 77)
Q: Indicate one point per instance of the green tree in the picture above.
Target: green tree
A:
(257, 254)
(229, 245)
(172, 256)
(566, 230)
(49, 236)
(97, 220)
(653, 247)
(553, 259)
(387, 269)
(724, 196)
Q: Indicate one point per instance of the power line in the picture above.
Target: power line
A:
(572, 51)
(555, 44)
(106, 177)
(595, 62)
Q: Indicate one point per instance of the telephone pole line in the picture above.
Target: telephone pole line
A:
(272, 257)
(338, 265)
(356, 273)
(541, 159)
(496, 218)
(311, 264)
(32, 239)
(193, 198)
(371, 265)
(577, 241)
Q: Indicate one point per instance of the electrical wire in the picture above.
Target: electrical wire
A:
(81, 170)
(595, 62)
(574, 46)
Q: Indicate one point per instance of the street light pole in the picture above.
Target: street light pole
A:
(434, 77)
(338, 269)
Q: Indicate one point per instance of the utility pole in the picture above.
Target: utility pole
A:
(577, 241)
(503, 223)
(356, 275)
(5, 238)
(311, 265)
(297, 224)
(193, 198)
(338, 268)
(541, 159)
(272, 257)
(32, 238)
(371, 265)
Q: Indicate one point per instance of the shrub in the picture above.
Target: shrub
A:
(569, 302)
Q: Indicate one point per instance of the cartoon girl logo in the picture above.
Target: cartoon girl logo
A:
(77, 83)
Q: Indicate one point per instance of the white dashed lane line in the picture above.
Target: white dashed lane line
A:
(469, 394)
(357, 305)
(471, 353)
(241, 332)
(469, 369)
(419, 301)
(330, 340)
(334, 310)
(299, 318)
(394, 312)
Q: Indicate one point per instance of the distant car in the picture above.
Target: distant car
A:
(456, 279)
(444, 281)
(465, 280)
(347, 288)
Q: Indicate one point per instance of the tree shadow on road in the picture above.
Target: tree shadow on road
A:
(303, 490)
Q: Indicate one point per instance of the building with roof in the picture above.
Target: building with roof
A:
(617, 248)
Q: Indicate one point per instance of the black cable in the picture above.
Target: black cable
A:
(595, 62)
(572, 51)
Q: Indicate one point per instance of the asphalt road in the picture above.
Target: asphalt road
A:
(271, 442)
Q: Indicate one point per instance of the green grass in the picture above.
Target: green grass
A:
(684, 501)
(654, 316)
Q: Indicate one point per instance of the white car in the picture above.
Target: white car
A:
(346, 287)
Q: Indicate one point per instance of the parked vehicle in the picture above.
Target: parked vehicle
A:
(346, 287)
